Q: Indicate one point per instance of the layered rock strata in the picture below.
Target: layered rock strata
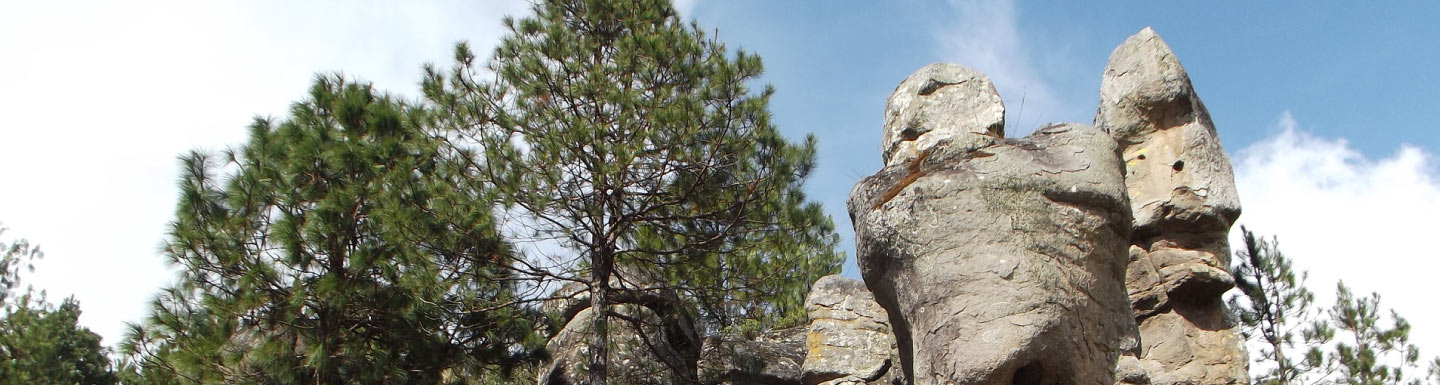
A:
(1183, 199)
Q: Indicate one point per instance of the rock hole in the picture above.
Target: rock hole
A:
(910, 134)
(1179, 165)
(1030, 374)
(1141, 157)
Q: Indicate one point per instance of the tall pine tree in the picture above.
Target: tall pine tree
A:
(633, 140)
(344, 245)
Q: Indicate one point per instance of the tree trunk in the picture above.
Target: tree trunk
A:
(600, 268)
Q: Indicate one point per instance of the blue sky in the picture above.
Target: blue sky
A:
(1325, 107)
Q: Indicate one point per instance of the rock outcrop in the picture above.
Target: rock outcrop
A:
(1183, 198)
(849, 339)
(998, 261)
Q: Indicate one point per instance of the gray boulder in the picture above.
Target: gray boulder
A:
(941, 102)
(1183, 197)
(849, 337)
(1000, 261)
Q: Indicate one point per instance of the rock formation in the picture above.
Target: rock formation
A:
(991, 260)
(849, 339)
(998, 261)
(1183, 199)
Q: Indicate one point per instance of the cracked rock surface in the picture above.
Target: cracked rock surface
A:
(999, 261)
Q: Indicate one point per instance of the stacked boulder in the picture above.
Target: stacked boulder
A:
(1183, 199)
(998, 261)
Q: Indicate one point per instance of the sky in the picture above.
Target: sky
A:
(1324, 106)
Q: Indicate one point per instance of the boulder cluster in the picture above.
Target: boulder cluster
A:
(1079, 254)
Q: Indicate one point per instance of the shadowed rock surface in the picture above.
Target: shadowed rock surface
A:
(773, 358)
(1183, 198)
(652, 338)
(999, 261)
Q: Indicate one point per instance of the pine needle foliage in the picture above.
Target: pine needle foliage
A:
(1275, 310)
(632, 139)
(339, 247)
(1367, 351)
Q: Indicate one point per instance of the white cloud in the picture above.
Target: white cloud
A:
(1341, 215)
(100, 97)
(985, 36)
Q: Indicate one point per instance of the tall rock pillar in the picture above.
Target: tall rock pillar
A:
(1182, 194)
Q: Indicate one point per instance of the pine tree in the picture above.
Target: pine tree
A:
(40, 343)
(1368, 352)
(632, 140)
(344, 245)
(1276, 310)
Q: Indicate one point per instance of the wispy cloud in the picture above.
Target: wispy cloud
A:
(1342, 215)
(985, 35)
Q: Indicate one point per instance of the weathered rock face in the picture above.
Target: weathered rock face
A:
(941, 102)
(1000, 261)
(1183, 197)
(849, 339)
